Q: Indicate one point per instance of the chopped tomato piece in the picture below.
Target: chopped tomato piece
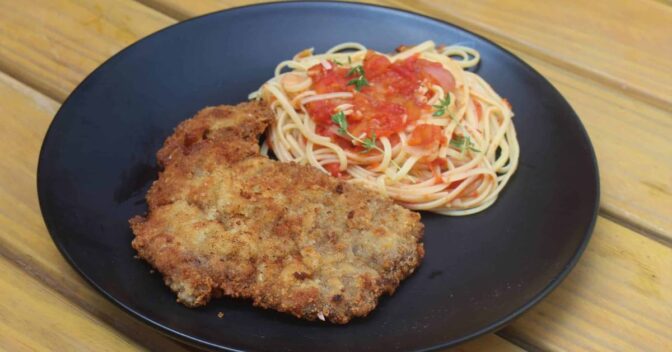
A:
(321, 111)
(387, 104)
(334, 169)
(375, 64)
(373, 165)
(329, 81)
(437, 74)
(479, 109)
(406, 68)
(425, 135)
(454, 184)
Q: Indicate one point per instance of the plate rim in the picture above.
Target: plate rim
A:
(201, 343)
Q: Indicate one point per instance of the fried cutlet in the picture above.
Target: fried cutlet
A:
(225, 220)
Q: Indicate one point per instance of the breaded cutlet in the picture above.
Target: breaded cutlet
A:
(224, 220)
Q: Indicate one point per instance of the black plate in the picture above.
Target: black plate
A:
(480, 271)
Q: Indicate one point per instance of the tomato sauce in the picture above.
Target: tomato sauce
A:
(392, 97)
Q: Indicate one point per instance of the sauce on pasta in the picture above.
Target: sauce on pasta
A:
(414, 125)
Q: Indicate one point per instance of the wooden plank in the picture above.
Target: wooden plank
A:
(618, 298)
(632, 192)
(23, 239)
(633, 148)
(487, 343)
(590, 37)
(52, 44)
(36, 318)
(183, 10)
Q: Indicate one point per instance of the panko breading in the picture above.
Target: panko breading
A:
(225, 220)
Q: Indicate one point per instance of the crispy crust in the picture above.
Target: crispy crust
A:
(224, 220)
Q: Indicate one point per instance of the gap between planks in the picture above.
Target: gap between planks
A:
(153, 341)
(638, 228)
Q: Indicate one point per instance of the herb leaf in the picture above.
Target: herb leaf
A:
(359, 83)
(369, 143)
(463, 143)
(357, 69)
(336, 62)
(441, 106)
(339, 119)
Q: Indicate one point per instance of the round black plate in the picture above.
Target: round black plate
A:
(480, 271)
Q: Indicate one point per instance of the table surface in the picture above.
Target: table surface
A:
(610, 59)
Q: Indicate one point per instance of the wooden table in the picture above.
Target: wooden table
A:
(611, 59)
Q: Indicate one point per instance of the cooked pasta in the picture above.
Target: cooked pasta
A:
(415, 125)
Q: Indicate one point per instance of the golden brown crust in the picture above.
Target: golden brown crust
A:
(244, 121)
(224, 220)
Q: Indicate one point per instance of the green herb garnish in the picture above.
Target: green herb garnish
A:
(369, 143)
(463, 144)
(441, 106)
(341, 121)
(360, 81)
(356, 70)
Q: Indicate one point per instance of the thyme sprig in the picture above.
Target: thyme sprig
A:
(360, 81)
(368, 144)
(442, 106)
(463, 144)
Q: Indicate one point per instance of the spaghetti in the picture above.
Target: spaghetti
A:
(414, 125)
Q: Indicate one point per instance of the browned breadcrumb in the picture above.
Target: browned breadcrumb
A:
(225, 220)
(220, 315)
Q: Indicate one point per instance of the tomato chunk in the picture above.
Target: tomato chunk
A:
(328, 81)
(437, 74)
(393, 96)
(334, 169)
(425, 135)
(375, 64)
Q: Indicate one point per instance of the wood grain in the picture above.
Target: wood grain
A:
(487, 343)
(182, 10)
(53, 44)
(36, 318)
(633, 148)
(23, 238)
(618, 298)
(610, 41)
